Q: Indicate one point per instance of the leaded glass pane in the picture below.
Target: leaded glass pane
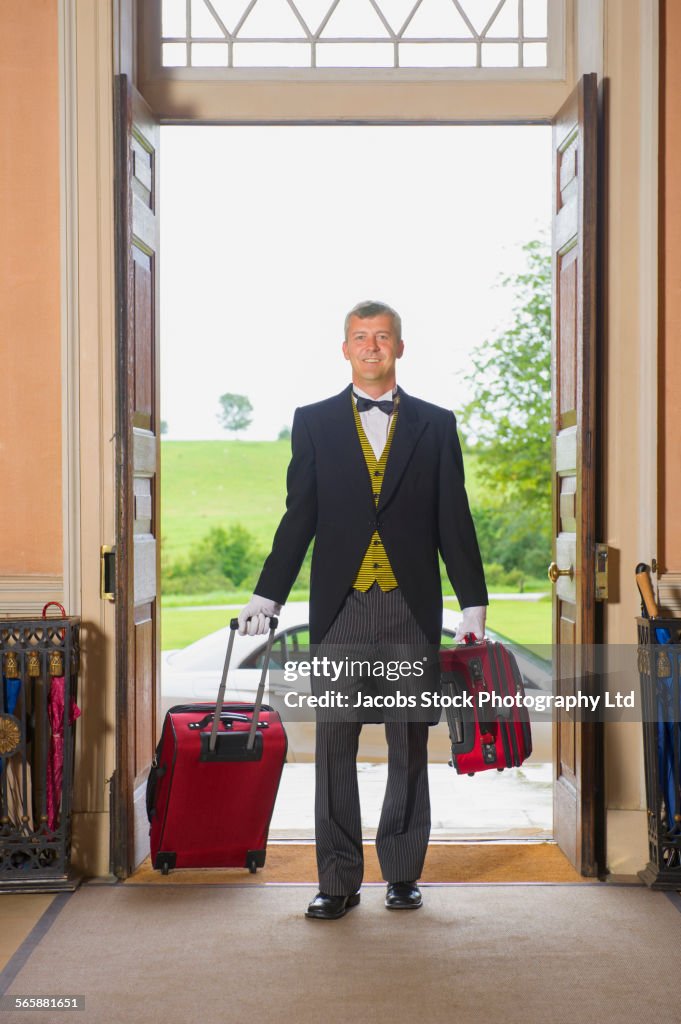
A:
(313, 12)
(535, 20)
(271, 55)
(174, 55)
(174, 18)
(481, 12)
(210, 55)
(355, 55)
(354, 18)
(438, 55)
(271, 19)
(534, 55)
(505, 25)
(230, 12)
(437, 18)
(204, 25)
(499, 55)
(396, 12)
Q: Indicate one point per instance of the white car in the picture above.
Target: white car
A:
(193, 674)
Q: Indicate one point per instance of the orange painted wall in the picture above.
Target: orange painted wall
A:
(670, 349)
(30, 367)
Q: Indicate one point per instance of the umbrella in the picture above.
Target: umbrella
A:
(31, 779)
(11, 685)
(55, 760)
(56, 702)
(12, 688)
(667, 766)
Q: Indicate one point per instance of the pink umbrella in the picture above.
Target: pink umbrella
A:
(55, 713)
(55, 760)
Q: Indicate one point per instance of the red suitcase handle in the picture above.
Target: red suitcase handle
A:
(470, 638)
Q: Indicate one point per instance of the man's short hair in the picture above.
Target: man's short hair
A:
(369, 308)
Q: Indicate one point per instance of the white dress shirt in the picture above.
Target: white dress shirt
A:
(374, 421)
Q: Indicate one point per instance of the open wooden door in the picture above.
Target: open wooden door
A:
(578, 791)
(138, 485)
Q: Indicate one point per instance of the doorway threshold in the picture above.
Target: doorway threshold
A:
(515, 805)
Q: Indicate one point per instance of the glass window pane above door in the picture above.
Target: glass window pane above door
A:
(397, 34)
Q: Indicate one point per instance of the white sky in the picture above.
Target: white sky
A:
(270, 234)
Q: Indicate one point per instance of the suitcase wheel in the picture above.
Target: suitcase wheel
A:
(255, 859)
(470, 774)
(164, 861)
(500, 769)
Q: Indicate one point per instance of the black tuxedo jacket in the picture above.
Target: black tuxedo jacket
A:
(423, 508)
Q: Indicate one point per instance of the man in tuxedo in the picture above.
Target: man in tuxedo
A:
(376, 477)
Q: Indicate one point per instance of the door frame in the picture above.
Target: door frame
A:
(86, 104)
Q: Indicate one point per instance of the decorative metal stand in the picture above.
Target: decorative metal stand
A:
(658, 665)
(39, 662)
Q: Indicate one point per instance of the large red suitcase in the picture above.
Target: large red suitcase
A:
(214, 780)
(485, 736)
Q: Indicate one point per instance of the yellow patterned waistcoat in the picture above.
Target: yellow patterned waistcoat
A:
(375, 567)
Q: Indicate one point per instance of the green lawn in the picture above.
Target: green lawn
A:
(221, 597)
(525, 622)
(213, 483)
(182, 626)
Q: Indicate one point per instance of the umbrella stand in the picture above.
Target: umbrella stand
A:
(39, 661)
(659, 658)
(667, 720)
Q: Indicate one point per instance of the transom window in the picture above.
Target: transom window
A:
(370, 34)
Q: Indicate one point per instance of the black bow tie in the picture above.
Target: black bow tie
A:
(368, 403)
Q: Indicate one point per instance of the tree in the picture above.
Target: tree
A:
(235, 412)
(233, 552)
(223, 559)
(508, 420)
(164, 427)
(284, 434)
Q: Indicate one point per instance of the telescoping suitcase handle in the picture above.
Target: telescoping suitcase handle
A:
(233, 626)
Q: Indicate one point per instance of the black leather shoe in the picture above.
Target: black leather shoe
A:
(329, 908)
(403, 896)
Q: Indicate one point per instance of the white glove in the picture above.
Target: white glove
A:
(255, 617)
(473, 622)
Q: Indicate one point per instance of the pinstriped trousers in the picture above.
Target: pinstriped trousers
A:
(374, 621)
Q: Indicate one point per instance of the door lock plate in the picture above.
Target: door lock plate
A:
(107, 573)
(601, 569)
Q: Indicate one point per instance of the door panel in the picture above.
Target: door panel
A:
(138, 435)
(578, 809)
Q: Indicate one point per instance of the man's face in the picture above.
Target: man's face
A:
(372, 347)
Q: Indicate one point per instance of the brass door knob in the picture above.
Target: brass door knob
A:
(555, 572)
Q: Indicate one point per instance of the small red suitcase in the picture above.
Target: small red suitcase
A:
(214, 780)
(484, 736)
